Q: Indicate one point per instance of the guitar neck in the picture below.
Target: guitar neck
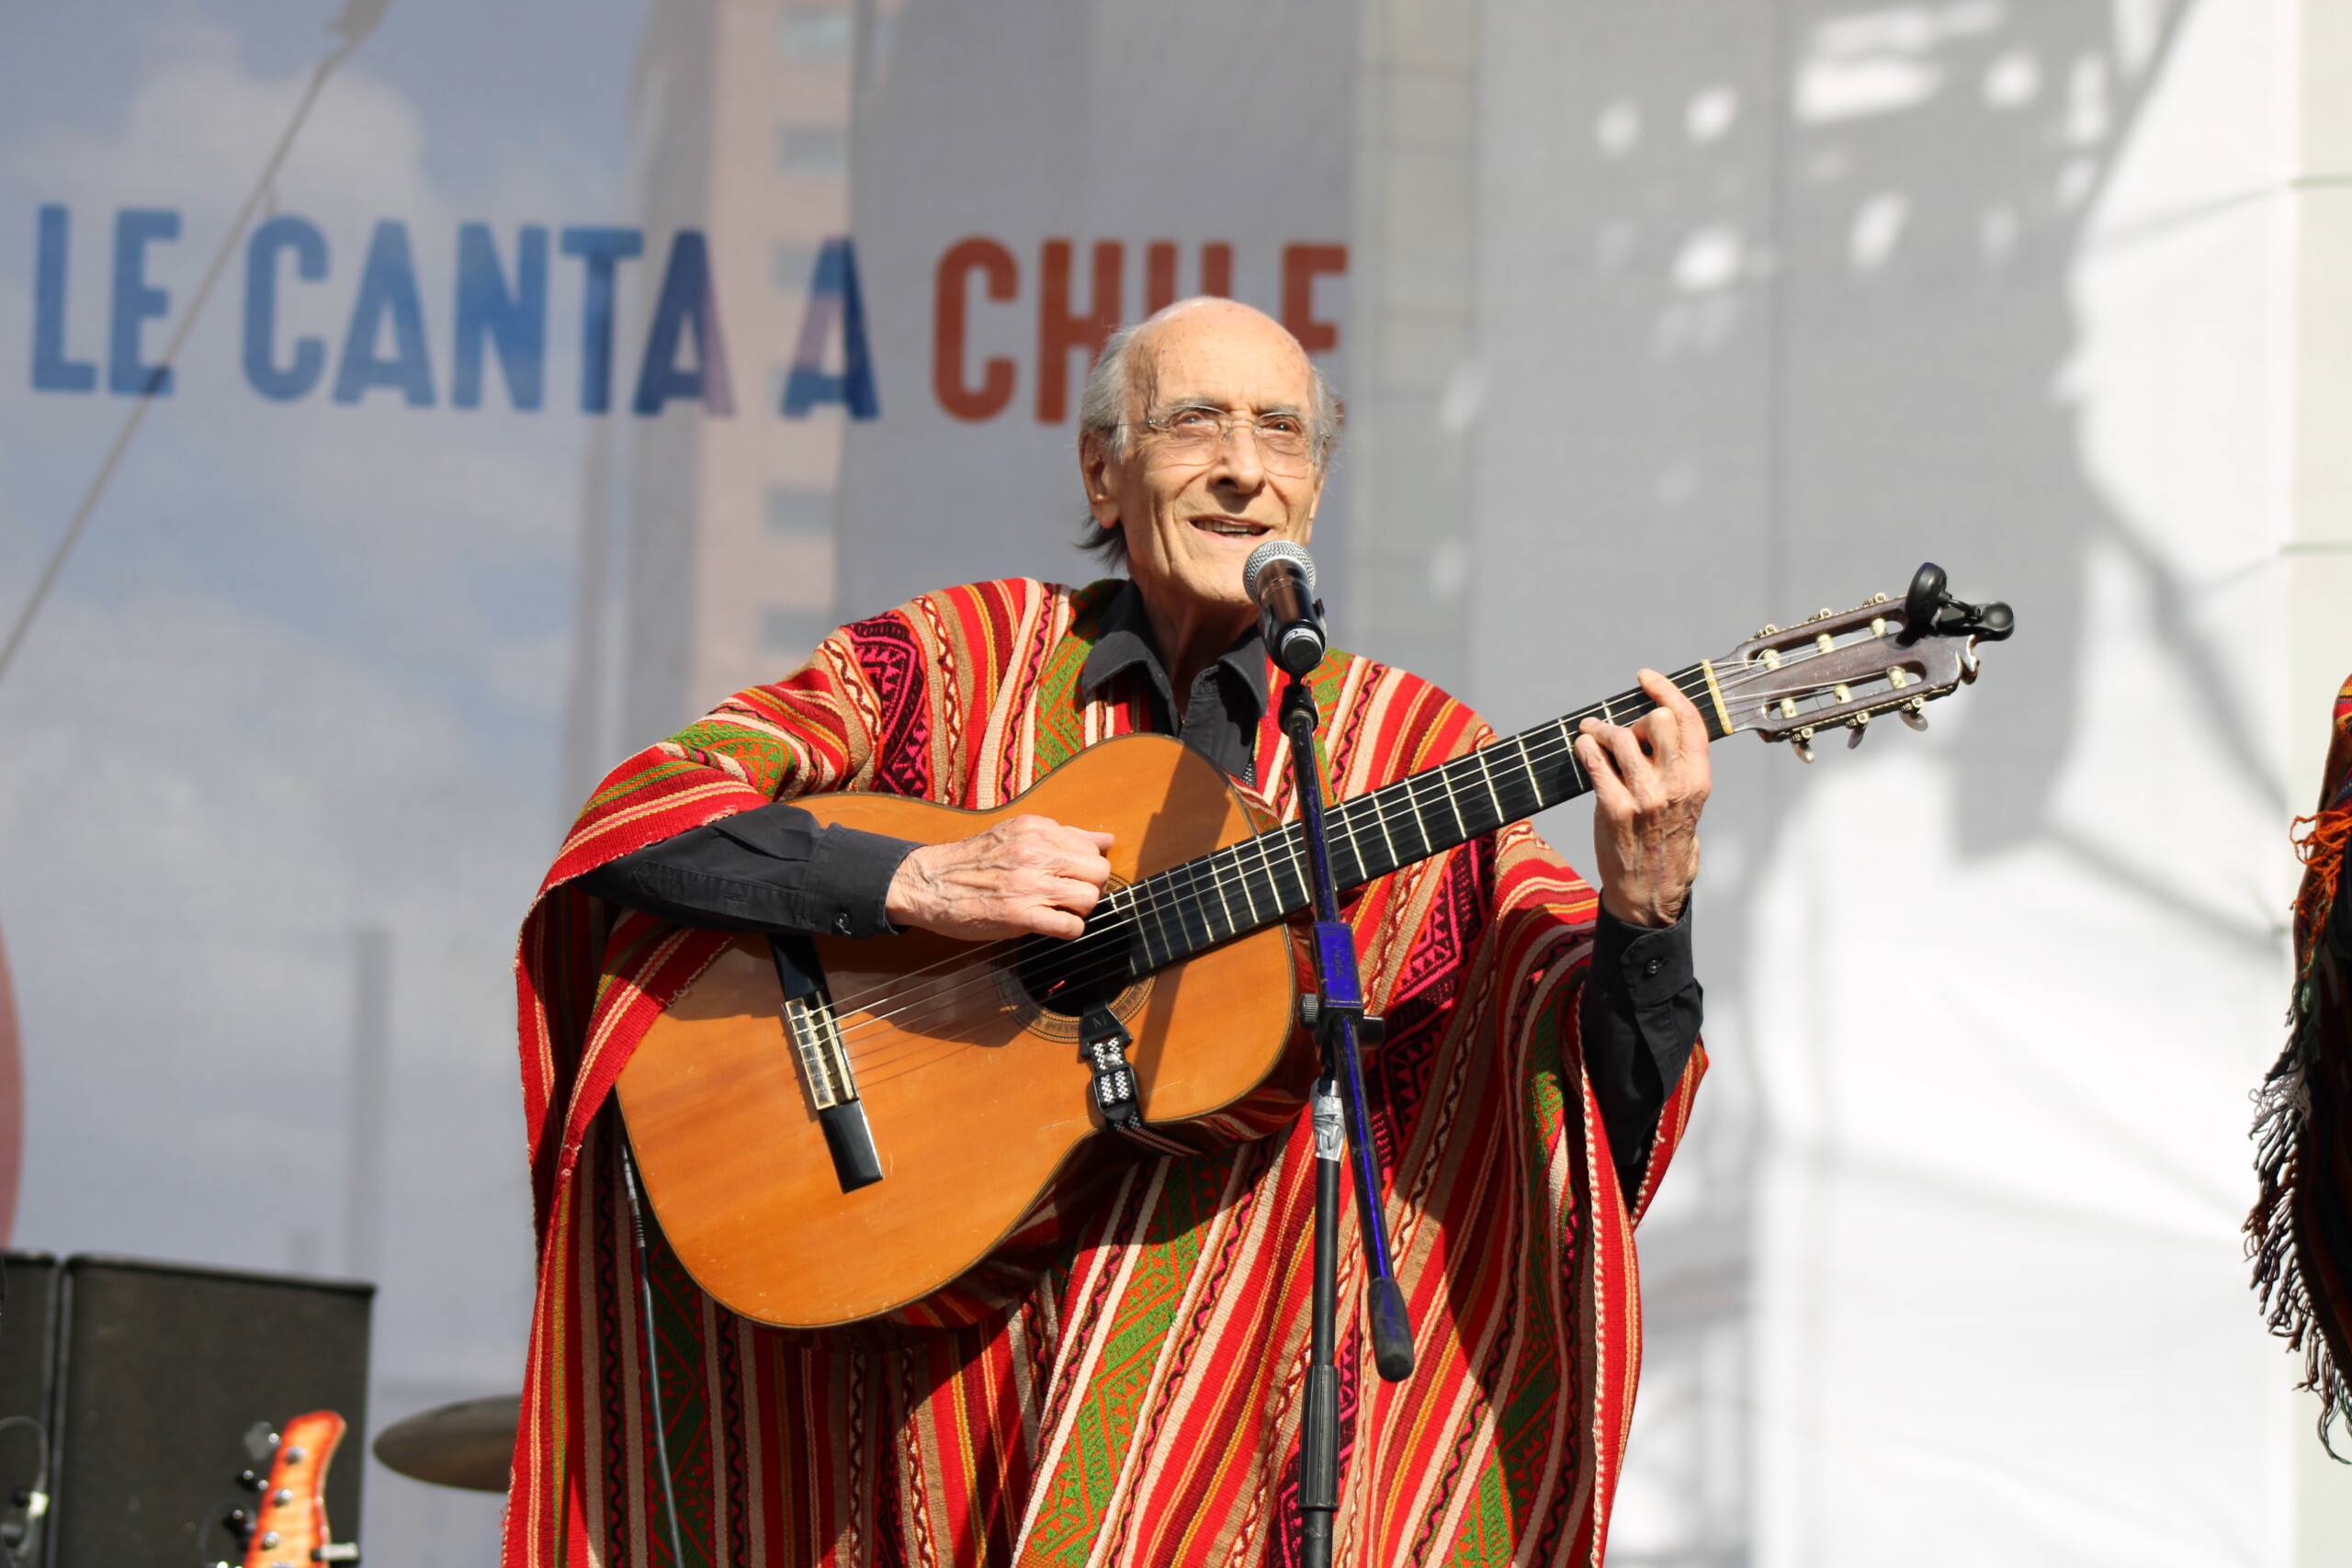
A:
(1189, 907)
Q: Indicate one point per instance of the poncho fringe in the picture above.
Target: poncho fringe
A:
(2299, 1234)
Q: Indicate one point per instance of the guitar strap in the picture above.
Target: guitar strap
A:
(1103, 1043)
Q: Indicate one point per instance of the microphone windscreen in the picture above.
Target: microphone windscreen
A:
(1271, 551)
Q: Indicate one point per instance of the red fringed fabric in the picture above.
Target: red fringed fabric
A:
(1135, 1399)
(2299, 1234)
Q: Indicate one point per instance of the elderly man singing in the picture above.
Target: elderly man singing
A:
(1121, 1382)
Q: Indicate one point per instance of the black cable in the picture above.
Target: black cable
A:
(652, 1363)
(36, 1504)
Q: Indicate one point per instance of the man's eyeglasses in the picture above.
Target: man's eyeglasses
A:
(1195, 432)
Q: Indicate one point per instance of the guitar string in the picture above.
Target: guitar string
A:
(1265, 847)
(1693, 685)
(1418, 792)
(1181, 898)
(1141, 901)
(1189, 895)
(880, 1066)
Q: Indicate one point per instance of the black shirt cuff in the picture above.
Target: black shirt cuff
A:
(1643, 1007)
(1653, 962)
(770, 869)
(849, 880)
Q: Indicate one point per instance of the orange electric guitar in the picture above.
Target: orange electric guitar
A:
(288, 1526)
(829, 1129)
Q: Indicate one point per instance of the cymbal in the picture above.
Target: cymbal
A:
(469, 1444)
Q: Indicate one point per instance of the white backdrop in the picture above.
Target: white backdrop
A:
(1658, 319)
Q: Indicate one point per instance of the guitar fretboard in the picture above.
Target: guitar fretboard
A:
(1219, 896)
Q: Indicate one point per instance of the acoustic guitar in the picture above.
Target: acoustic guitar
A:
(829, 1129)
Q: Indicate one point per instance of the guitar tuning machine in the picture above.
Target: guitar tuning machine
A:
(1913, 714)
(1802, 744)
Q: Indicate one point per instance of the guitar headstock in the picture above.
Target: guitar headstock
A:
(1843, 670)
(288, 1528)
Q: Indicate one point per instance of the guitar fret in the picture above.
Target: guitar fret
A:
(1444, 777)
(1210, 913)
(1275, 861)
(1300, 893)
(1421, 821)
(1535, 785)
(1379, 813)
(1192, 918)
(1263, 868)
(1222, 901)
(1241, 878)
(1493, 795)
(1160, 917)
(1347, 820)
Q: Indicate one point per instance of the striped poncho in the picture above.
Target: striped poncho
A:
(2300, 1230)
(1138, 1400)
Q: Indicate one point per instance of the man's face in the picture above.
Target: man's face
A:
(1191, 517)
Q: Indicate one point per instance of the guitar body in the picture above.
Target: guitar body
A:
(974, 1093)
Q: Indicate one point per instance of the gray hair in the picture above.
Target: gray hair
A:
(1103, 416)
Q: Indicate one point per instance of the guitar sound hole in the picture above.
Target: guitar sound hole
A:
(1065, 979)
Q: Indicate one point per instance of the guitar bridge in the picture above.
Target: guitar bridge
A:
(823, 1058)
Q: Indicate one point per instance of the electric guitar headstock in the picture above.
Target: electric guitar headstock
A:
(288, 1528)
(1843, 670)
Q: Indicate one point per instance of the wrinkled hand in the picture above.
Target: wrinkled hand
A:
(1027, 873)
(1651, 779)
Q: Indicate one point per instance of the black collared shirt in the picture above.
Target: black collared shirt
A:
(1227, 700)
(774, 869)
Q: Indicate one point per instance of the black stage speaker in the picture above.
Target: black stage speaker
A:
(163, 1371)
(27, 1352)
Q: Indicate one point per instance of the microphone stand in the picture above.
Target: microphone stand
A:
(1336, 1013)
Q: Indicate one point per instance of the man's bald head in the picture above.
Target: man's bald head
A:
(1120, 388)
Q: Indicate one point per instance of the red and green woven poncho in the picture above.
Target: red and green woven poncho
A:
(2300, 1230)
(1135, 1399)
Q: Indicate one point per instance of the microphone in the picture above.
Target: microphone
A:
(1280, 576)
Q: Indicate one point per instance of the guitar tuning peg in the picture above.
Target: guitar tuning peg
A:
(1914, 718)
(1803, 748)
(1854, 735)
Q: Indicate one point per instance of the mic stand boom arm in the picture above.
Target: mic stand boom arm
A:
(1338, 1019)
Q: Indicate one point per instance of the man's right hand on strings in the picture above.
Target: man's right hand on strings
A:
(1025, 875)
